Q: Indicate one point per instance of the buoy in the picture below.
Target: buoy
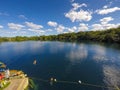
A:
(79, 81)
(34, 62)
(55, 80)
(51, 81)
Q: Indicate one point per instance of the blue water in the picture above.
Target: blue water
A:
(93, 63)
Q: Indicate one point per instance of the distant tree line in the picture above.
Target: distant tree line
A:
(111, 35)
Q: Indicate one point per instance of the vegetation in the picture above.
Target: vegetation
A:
(32, 85)
(111, 35)
(5, 86)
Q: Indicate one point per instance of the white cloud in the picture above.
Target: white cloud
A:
(107, 10)
(1, 27)
(23, 32)
(36, 28)
(52, 24)
(49, 30)
(97, 27)
(108, 5)
(14, 26)
(83, 27)
(69, 30)
(104, 26)
(105, 6)
(108, 26)
(37, 31)
(65, 32)
(60, 29)
(77, 5)
(73, 29)
(106, 20)
(22, 16)
(79, 15)
(33, 26)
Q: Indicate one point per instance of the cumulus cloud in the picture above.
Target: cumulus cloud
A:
(77, 5)
(65, 32)
(108, 26)
(73, 29)
(14, 26)
(106, 20)
(107, 10)
(97, 27)
(60, 29)
(52, 24)
(36, 28)
(1, 27)
(104, 26)
(79, 15)
(22, 16)
(31, 25)
(49, 30)
(83, 27)
(37, 31)
(105, 6)
(108, 5)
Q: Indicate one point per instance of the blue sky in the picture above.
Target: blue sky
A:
(48, 17)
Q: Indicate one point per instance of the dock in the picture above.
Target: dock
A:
(18, 84)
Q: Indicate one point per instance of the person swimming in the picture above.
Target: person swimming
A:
(34, 62)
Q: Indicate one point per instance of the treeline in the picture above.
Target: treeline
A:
(111, 35)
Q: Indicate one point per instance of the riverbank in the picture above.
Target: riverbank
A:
(108, 36)
(16, 80)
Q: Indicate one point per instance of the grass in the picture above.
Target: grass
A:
(31, 86)
(5, 86)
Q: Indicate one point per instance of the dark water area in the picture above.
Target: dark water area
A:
(93, 63)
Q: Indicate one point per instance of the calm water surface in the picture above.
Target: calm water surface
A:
(88, 62)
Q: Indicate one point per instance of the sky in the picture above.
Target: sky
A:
(52, 17)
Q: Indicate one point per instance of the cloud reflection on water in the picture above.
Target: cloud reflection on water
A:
(77, 53)
(99, 53)
(55, 47)
(19, 50)
(110, 61)
(111, 75)
(20, 47)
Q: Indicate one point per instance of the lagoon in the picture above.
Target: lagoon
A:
(93, 63)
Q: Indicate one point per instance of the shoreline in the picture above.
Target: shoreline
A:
(13, 80)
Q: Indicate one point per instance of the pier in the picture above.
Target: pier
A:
(18, 84)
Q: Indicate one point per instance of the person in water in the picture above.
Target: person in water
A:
(34, 62)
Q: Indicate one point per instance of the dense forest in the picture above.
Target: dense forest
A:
(110, 35)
